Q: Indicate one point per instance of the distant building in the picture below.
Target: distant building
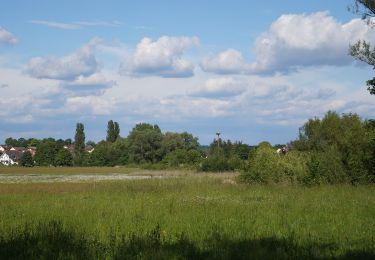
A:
(4, 148)
(32, 150)
(70, 148)
(19, 149)
(10, 157)
(89, 148)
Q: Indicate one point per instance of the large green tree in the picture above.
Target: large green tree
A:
(363, 50)
(144, 143)
(109, 154)
(27, 159)
(113, 131)
(342, 136)
(63, 158)
(11, 142)
(46, 152)
(173, 141)
(79, 144)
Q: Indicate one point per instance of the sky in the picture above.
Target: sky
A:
(252, 70)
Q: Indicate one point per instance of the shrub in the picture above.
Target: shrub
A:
(266, 166)
(325, 167)
(63, 158)
(27, 159)
(182, 157)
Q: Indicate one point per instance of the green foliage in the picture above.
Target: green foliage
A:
(362, 50)
(46, 152)
(224, 156)
(144, 144)
(109, 154)
(26, 159)
(91, 143)
(241, 150)
(325, 167)
(79, 145)
(365, 8)
(33, 142)
(346, 135)
(11, 142)
(182, 157)
(113, 131)
(63, 158)
(369, 157)
(266, 166)
(220, 161)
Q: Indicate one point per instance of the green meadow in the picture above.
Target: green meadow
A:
(184, 216)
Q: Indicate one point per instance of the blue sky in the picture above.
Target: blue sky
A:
(253, 70)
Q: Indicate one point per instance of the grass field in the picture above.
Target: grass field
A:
(194, 216)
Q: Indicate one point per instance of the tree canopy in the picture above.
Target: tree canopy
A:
(27, 159)
(144, 143)
(363, 50)
(79, 144)
(113, 131)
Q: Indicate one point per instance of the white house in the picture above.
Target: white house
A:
(10, 157)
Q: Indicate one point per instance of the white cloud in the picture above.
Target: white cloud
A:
(75, 25)
(92, 85)
(295, 41)
(220, 88)
(161, 58)
(91, 104)
(185, 107)
(81, 63)
(58, 25)
(227, 62)
(7, 37)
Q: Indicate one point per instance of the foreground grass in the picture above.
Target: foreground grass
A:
(195, 216)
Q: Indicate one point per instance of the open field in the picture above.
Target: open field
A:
(195, 215)
(64, 170)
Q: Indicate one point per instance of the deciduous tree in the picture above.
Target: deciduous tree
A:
(79, 144)
(363, 50)
(27, 159)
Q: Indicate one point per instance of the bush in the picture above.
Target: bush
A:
(182, 157)
(63, 158)
(221, 164)
(27, 159)
(325, 167)
(266, 166)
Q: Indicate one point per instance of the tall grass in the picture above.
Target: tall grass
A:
(189, 217)
(63, 170)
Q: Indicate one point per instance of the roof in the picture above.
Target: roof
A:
(21, 149)
(14, 155)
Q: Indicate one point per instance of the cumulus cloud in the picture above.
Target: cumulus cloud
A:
(93, 85)
(162, 57)
(91, 104)
(227, 62)
(82, 63)
(295, 41)
(220, 88)
(7, 37)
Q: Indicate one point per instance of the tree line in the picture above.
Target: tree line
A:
(334, 149)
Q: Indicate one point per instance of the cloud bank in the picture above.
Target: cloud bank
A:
(81, 63)
(295, 41)
(162, 58)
